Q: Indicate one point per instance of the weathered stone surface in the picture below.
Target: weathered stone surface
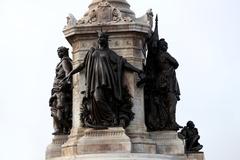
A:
(54, 149)
(127, 40)
(122, 5)
(70, 147)
(168, 142)
(142, 145)
(123, 156)
(196, 156)
(112, 140)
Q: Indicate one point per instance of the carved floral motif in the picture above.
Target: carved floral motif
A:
(104, 12)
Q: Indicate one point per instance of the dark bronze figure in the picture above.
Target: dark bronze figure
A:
(107, 103)
(190, 134)
(61, 98)
(161, 86)
(167, 85)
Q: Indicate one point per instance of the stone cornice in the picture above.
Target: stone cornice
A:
(110, 28)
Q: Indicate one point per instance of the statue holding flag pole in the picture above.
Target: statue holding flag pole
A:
(161, 86)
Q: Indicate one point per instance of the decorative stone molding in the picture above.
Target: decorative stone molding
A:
(147, 18)
(104, 12)
(112, 132)
(122, 5)
(112, 140)
(71, 21)
(168, 142)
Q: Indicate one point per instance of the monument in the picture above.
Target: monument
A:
(117, 98)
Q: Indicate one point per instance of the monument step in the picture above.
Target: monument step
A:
(123, 156)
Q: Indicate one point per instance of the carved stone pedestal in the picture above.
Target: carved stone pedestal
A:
(70, 147)
(143, 145)
(54, 149)
(195, 156)
(123, 156)
(168, 142)
(112, 140)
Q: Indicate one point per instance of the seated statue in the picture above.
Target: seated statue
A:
(190, 134)
(61, 98)
(106, 102)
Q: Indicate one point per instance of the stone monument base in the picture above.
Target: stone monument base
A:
(168, 142)
(123, 156)
(195, 156)
(112, 140)
(55, 148)
(143, 145)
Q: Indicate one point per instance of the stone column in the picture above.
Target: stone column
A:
(127, 35)
(70, 147)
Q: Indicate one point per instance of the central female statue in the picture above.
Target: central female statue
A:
(107, 102)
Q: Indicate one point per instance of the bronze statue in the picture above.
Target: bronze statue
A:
(190, 134)
(107, 102)
(167, 84)
(161, 91)
(61, 98)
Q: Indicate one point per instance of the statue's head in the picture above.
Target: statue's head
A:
(62, 52)
(163, 45)
(103, 39)
(190, 124)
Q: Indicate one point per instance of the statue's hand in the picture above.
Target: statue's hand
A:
(142, 77)
(67, 78)
(181, 136)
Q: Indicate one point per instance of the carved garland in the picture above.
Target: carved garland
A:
(104, 13)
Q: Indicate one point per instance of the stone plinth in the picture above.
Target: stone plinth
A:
(195, 156)
(128, 41)
(123, 156)
(112, 140)
(142, 145)
(127, 36)
(168, 142)
(70, 147)
(54, 149)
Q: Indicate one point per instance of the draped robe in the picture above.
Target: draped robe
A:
(103, 75)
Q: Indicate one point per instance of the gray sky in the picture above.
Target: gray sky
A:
(203, 36)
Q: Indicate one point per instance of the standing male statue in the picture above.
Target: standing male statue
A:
(107, 102)
(161, 89)
(61, 98)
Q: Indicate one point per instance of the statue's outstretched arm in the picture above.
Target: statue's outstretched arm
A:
(77, 69)
(130, 67)
(82, 65)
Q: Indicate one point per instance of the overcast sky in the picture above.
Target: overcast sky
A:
(203, 35)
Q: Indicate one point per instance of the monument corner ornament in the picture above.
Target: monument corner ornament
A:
(117, 97)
